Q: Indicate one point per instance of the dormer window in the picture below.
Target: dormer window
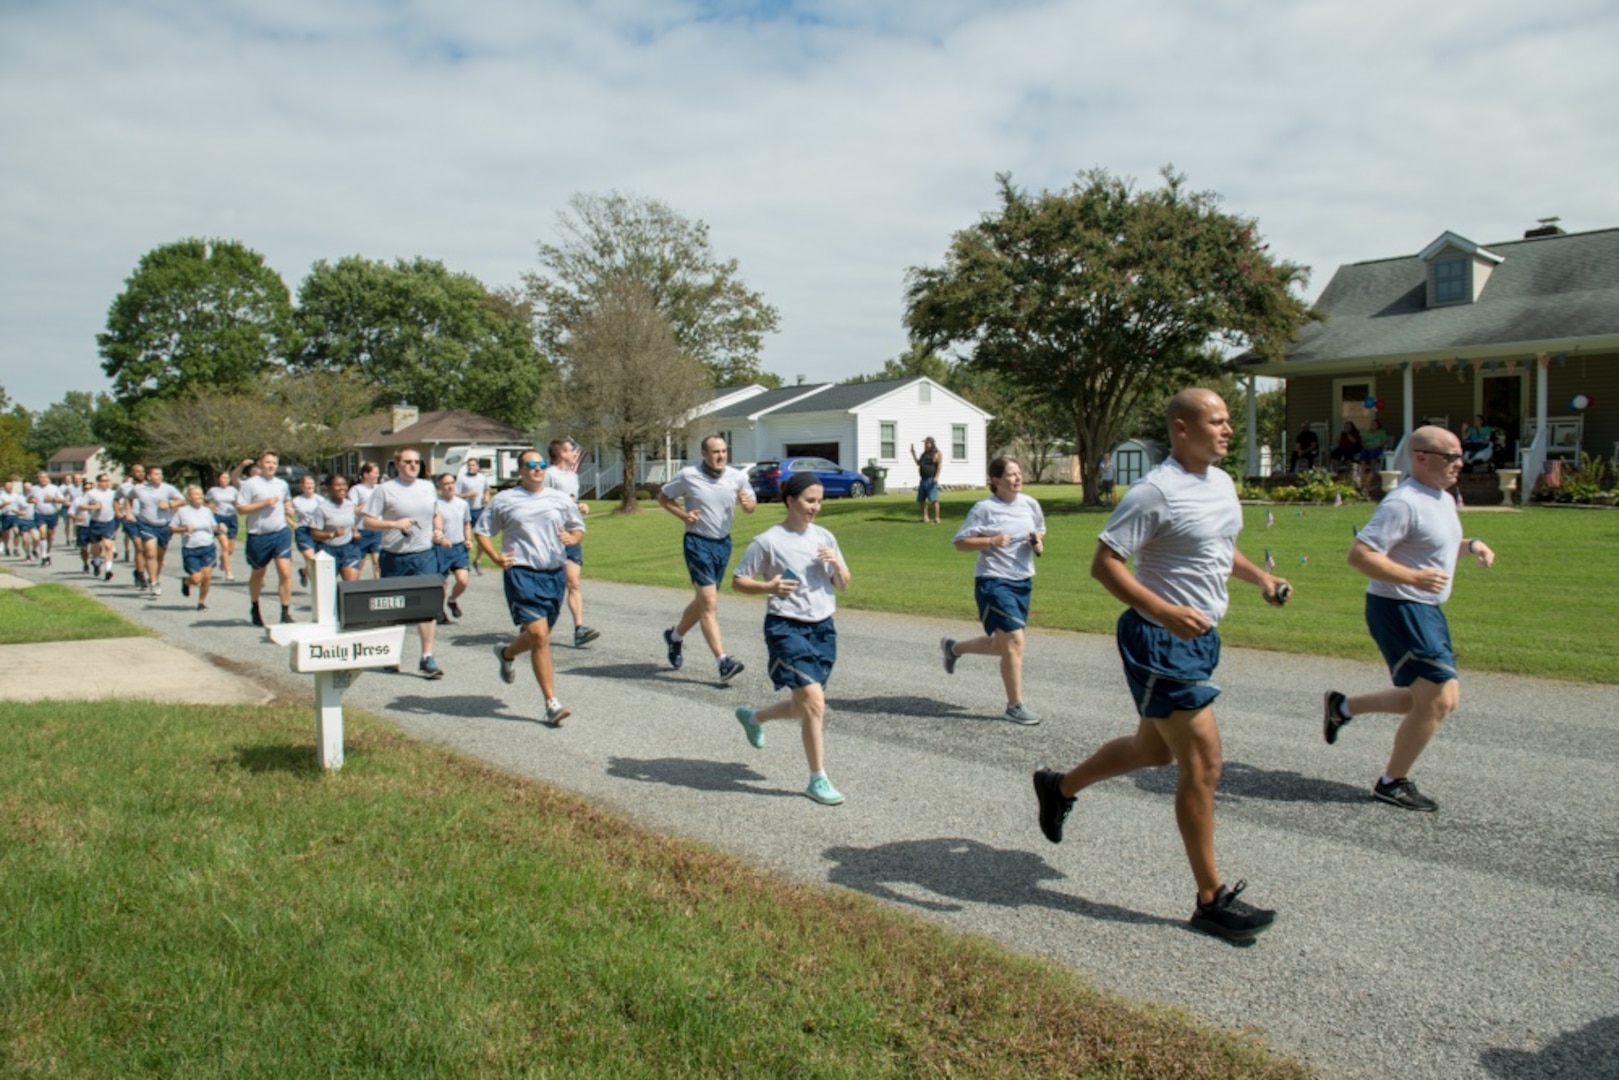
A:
(1450, 281)
(1457, 269)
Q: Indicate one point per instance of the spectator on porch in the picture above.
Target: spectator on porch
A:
(1347, 452)
(1306, 448)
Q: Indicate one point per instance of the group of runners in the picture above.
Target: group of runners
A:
(1166, 553)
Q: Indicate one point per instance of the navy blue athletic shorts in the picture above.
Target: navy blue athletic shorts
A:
(265, 548)
(1413, 637)
(801, 653)
(706, 558)
(532, 595)
(1167, 675)
(1003, 604)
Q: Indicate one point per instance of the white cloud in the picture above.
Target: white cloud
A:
(828, 145)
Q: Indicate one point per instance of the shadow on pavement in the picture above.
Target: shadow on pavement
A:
(1241, 781)
(620, 671)
(905, 705)
(722, 776)
(1592, 1051)
(480, 641)
(969, 871)
(478, 705)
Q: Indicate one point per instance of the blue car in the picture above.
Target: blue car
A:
(767, 476)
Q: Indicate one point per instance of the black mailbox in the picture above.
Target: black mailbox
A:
(389, 601)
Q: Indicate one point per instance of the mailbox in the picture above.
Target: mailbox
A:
(389, 601)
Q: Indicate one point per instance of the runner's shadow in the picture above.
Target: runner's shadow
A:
(477, 706)
(1591, 1051)
(967, 871)
(905, 705)
(619, 671)
(698, 775)
(481, 641)
(1240, 781)
(211, 623)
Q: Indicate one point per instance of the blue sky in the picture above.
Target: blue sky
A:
(828, 145)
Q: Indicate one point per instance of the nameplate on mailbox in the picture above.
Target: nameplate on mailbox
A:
(382, 647)
(389, 601)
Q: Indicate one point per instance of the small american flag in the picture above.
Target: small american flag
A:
(1270, 519)
(1459, 503)
(1270, 563)
(1338, 499)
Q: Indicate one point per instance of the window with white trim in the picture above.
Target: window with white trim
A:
(886, 430)
(958, 442)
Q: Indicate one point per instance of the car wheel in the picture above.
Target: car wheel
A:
(857, 490)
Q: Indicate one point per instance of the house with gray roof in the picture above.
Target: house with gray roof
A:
(1522, 332)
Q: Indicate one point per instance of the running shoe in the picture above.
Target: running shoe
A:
(455, 609)
(1332, 716)
(157, 591)
(821, 790)
(1230, 918)
(303, 576)
(201, 606)
(756, 731)
(286, 615)
(948, 647)
(253, 613)
(429, 669)
(108, 576)
(508, 672)
(442, 619)
(675, 648)
(1021, 714)
(730, 669)
(1404, 794)
(584, 635)
(1054, 805)
(185, 587)
(555, 713)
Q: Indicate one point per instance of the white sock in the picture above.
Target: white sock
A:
(552, 703)
(674, 635)
(819, 774)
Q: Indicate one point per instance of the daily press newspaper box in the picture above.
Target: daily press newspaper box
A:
(389, 601)
(357, 626)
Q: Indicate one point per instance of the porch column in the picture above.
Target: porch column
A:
(1253, 430)
(1408, 385)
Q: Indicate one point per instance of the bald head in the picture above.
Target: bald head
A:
(1190, 404)
(1435, 438)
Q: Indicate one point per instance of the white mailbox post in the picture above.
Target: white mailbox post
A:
(334, 658)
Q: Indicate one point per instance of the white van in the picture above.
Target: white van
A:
(499, 463)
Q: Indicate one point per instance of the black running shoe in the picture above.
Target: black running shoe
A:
(1230, 918)
(1054, 805)
(1332, 717)
(286, 615)
(185, 587)
(303, 576)
(253, 612)
(455, 609)
(730, 669)
(1404, 794)
(676, 648)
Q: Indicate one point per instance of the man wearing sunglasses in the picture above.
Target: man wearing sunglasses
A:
(1409, 550)
(536, 525)
(405, 511)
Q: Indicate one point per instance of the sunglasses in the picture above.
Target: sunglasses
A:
(1436, 453)
(533, 463)
(410, 461)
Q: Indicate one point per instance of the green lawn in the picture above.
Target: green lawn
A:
(1545, 609)
(57, 613)
(186, 894)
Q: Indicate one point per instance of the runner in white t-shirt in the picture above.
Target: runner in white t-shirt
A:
(563, 475)
(473, 486)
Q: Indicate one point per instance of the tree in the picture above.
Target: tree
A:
(15, 459)
(625, 381)
(194, 313)
(205, 429)
(320, 414)
(605, 239)
(66, 423)
(1098, 297)
(416, 332)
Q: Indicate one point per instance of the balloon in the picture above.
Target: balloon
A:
(1370, 403)
(1379, 405)
(1580, 402)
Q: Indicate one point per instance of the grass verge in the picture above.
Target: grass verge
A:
(1545, 608)
(187, 893)
(58, 613)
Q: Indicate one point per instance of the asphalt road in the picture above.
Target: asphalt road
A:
(1479, 941)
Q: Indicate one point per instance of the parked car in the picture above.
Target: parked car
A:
(767, 477)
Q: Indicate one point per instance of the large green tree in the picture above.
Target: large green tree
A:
(624, 381)
(417, 332)
(194, 313)
(606, 239)
(15, 458)
(1098, 297)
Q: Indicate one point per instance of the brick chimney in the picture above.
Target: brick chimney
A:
(404, 416)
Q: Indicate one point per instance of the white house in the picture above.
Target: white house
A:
(853, 424)
(82, 460)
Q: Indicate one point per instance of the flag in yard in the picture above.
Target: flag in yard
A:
(1458, 497)
(1270, 519)
(1304, 560)
(1338, 499)
(1270, 563)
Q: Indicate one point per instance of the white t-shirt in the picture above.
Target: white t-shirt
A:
(714, 498)
(199, 522)
(147, 496)
(272, 518)
(528, 523)
(394, 500)
(99, 503)
(474, 489)
(45, 496)
(334, 517)
(455, 516)
(1417, 527)
(303, 508)
(1017, 519)
(359, 495)
(1181, 529)
(780, 551)
(563, 480)
(223, 500)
